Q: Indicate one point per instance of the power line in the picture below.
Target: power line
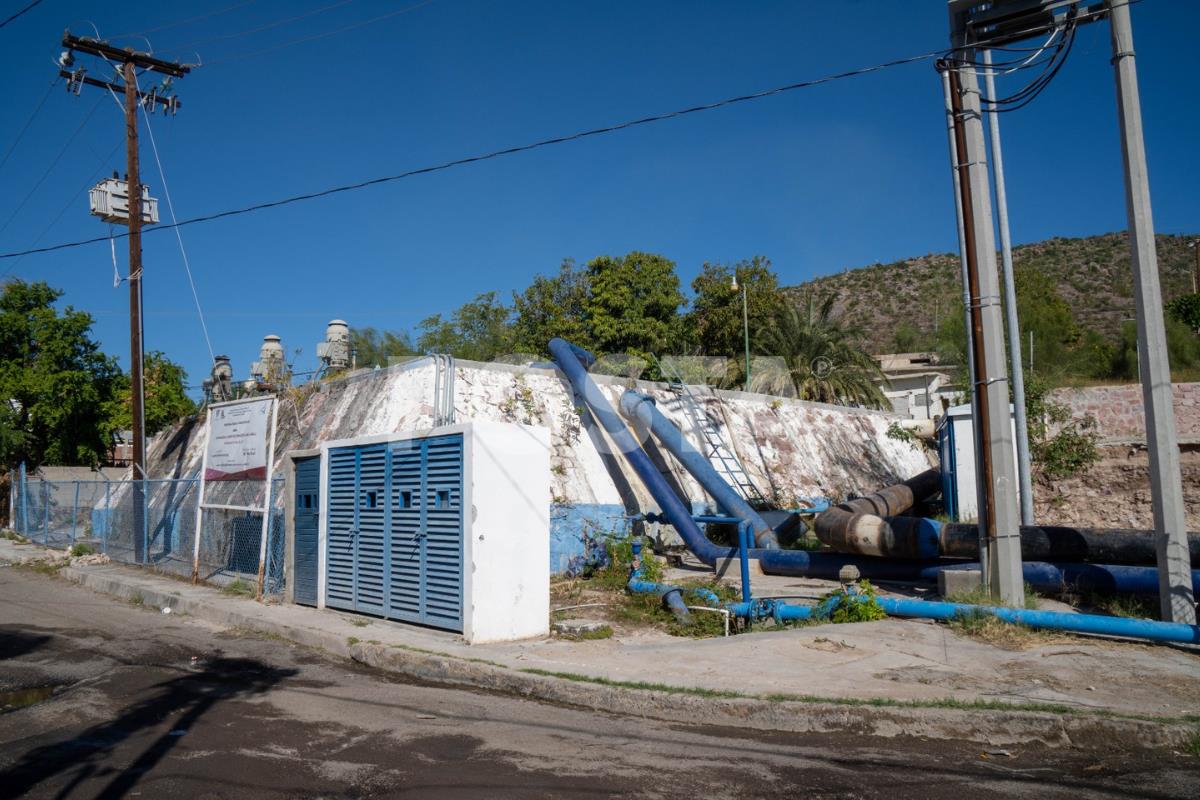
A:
(50, 168)
(178, 237)
(29, 122)
(22, 12)
(268, 26)
(67, 206)
(322, 35)
(186, 21)
(506, 151)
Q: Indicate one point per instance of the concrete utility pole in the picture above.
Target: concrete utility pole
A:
(981, 495)
(1010, 305)
(1174, 562)
(999, 524)
(129, 61)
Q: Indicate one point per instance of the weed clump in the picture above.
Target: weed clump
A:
(859, 605)
(81, 549)
(238, 588)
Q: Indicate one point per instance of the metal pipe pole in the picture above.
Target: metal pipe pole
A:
(980, 494)
(996, 462)
(1010, 305)
(746, 330)
(1175, 586)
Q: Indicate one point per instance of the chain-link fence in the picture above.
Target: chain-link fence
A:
(153, 523)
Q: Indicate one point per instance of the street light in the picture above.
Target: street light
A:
(745, 325)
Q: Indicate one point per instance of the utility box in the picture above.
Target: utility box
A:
(448, 528)
(109, 200)
(956, 449)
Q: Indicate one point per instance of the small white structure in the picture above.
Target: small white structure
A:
(956, 446)
(447, 527)
(917, 384)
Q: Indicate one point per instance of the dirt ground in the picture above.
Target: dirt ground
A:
(1115, 492)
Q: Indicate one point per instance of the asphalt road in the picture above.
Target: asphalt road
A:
(106, 699)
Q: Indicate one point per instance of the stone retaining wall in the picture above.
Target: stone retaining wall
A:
(1118, 409)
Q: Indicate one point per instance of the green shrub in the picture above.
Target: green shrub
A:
(81, 549)
(862, 605)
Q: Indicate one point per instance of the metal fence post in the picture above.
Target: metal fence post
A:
(75, 512)
(46, 513)
(145, 532)
(24, 529)
(107, 517)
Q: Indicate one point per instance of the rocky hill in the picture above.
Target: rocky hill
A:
(1092, 274)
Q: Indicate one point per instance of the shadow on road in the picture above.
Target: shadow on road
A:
(180, 702)
(18, 643)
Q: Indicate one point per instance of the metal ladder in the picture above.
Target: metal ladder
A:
(722, 457)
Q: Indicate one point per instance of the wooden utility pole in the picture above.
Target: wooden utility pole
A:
(129, 61)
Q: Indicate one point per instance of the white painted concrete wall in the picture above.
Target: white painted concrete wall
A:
(506, 594)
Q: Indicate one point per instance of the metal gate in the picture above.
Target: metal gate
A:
(395, 530)
(305, 513)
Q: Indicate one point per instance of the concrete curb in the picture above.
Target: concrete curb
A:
(985, 726)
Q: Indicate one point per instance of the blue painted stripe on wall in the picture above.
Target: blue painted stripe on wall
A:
(579, 531)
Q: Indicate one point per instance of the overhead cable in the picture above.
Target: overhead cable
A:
(504, 152)
(20, 13)
(178, 236)
(29, 122)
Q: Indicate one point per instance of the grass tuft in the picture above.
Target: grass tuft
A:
(980, 597)
(642, 685)
(238, 588)
(81, 549)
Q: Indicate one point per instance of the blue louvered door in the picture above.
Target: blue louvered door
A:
(370, 565)
(407, 554)
(340, 531)
(395, 530)
(425, 502)
(442, 601)
(305, 511)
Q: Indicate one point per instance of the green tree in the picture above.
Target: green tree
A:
(715, 321)
(375, 348)
(908, 338)
(165, 384)
(553, 307)
(1060, 445)
(480, 330)
(634, 303)
(821, 356)
(1186, 309)
(1183, 349)
(54, 380)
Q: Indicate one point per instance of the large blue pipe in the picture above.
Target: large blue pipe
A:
(637, 406)
(574, 362)
(1052, 620)
(1043, 577)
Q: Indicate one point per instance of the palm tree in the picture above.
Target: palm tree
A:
(820, 356)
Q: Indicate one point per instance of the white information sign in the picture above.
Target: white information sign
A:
(237, 440)
(237, 447)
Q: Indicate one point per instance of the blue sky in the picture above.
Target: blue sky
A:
(818, 180)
